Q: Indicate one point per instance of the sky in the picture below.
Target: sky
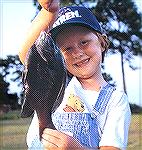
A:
(15, 20)
(15, 17)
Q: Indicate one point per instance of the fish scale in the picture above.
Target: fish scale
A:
(44, 81)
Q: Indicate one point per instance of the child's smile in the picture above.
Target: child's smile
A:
(82, 63)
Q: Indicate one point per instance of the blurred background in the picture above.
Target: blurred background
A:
(122, 66)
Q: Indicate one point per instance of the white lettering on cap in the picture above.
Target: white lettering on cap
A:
(66, 16)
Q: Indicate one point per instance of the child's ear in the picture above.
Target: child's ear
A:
(103, 44)
(104, 41)
(103, 48)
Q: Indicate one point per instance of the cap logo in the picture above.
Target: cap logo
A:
(66, 16)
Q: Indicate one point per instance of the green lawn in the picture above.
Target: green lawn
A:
(135, 133)
(13, 133)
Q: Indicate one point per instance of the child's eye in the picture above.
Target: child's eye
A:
(84, 42)
(67, 49)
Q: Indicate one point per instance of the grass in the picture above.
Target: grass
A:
(13, 132)
(12, 115)
(135, 133)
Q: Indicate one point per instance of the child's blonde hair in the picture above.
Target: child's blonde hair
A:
(104, 43)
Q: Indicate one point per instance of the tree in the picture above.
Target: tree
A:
(135, 109)
(3, 91)
(10, 66)
(122, 23)
(7, 99)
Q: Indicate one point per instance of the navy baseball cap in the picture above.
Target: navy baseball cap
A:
(75, 15)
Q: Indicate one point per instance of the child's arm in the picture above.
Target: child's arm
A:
(43, 21)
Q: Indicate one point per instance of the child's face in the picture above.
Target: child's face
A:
(81, 50)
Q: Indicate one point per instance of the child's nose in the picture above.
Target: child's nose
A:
(77, 52)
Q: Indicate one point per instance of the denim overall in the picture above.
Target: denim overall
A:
(84, 126)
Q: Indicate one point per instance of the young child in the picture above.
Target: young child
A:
(93, 114)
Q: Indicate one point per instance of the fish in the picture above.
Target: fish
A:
(44, 81)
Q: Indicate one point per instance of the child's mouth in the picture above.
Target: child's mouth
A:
(82, 62)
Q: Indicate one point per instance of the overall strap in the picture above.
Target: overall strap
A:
(103, 99)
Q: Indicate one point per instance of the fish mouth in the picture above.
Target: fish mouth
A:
(82, 63)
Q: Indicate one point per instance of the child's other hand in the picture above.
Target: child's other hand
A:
(50, 5)
(53, 139)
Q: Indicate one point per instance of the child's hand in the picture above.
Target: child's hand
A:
(50, 5)
(53, 139)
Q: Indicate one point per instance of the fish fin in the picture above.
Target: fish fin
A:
(26, 110)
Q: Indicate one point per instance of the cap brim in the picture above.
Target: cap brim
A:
(59, 28)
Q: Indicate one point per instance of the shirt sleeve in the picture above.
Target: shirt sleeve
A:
(115, 132)
(33, 141)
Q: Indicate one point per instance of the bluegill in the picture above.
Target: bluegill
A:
(44, 81)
